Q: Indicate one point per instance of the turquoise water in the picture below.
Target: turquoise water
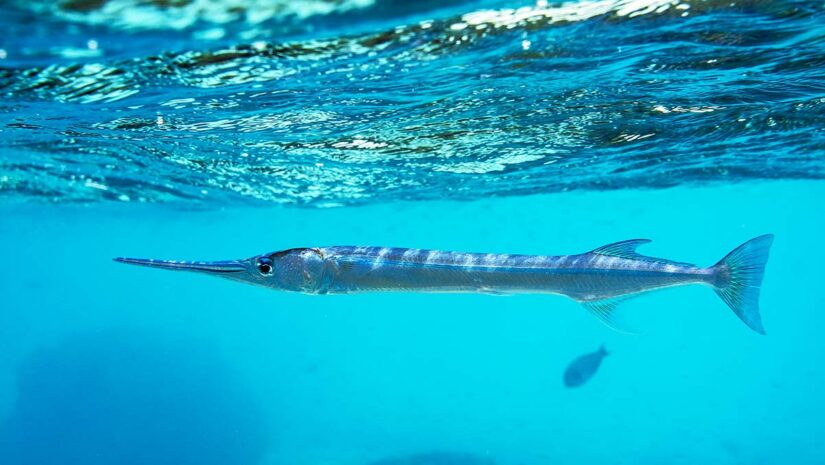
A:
(222, 130)
(352, 379)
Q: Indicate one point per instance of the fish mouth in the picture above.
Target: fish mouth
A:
(226, 266)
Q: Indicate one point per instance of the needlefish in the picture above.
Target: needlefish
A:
(598, 279)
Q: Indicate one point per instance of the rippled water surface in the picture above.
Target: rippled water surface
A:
(326, 103)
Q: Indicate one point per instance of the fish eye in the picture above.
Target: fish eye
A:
(265, 266)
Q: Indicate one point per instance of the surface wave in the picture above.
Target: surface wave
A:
(596, 94)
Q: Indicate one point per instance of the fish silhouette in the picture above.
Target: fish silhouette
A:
(583, 368)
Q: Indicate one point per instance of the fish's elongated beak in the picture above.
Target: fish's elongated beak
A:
(226, 266)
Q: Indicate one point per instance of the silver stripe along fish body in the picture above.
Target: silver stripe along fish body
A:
(586, 277)
(598, 279)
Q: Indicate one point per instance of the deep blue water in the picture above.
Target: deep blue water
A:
(220, 130)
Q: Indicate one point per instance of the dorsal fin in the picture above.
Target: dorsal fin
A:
(627, 249)
(623, 249)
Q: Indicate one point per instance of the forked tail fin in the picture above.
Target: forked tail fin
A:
(739, 276)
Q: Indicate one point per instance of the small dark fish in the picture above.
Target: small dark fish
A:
(583, 368)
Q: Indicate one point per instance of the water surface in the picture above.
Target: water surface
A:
(291, 104)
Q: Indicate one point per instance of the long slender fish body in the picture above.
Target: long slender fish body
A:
(598, 279)
(585, 277)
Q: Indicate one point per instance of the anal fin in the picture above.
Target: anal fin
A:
(605, 311)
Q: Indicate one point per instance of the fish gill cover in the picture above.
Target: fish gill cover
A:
(287, 102)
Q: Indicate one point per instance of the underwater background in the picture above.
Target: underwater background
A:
(210, 130)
